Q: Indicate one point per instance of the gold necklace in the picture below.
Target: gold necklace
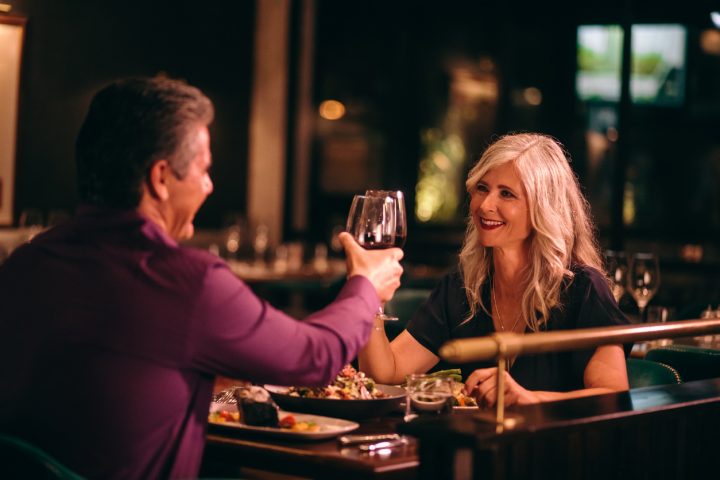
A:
(508, 361)
(497, 309)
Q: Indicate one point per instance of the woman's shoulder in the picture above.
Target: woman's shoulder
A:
(449, 291)
(585, 274)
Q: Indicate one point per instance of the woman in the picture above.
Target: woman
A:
(529, 263)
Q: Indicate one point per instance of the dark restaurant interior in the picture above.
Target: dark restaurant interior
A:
(316, 101)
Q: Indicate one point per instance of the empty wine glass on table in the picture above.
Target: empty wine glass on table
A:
(377, 221)
(616, 268)
(643, 279)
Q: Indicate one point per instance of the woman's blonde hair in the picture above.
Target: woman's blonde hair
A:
(562, 230)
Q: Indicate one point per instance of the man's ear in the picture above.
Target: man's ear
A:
(157, 180)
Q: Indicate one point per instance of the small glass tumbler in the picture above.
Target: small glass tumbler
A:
(427, 395)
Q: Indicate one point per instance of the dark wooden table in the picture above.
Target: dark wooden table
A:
(228, 451)
(662, 432)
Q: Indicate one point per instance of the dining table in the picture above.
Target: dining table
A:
(231, 452)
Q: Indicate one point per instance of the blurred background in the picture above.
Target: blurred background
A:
(317, 100)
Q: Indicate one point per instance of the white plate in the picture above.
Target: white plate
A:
(329, 427)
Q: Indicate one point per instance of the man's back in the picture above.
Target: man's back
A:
(94, 342)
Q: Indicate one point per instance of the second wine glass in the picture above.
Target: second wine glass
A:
(616, 268)
(377, 221)
(643, 279)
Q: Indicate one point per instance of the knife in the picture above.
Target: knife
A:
(346, 440)
(372, 447)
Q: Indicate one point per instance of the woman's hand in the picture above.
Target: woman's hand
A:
(482, 384)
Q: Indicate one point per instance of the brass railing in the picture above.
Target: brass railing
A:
(504, 345)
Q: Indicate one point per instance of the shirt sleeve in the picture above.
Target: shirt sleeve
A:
(241, 336)
(597, 306)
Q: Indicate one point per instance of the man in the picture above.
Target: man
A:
(111, 334)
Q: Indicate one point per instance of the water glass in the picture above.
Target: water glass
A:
(659, 314)
(427, 395)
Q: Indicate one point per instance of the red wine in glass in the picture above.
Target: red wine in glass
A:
(387, 241)
(377, 221)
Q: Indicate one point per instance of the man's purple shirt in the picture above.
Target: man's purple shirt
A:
(111, 336)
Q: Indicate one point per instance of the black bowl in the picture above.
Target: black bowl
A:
(330, 407)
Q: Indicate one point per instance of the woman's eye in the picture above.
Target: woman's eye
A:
(481, 187)
(507, 194)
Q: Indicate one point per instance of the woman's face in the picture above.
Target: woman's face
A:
(499, 208)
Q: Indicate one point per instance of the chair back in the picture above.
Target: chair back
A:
(692, 363)
(646, 373)
(20, 459)
(403, 305)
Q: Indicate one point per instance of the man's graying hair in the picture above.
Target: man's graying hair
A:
(131, 124)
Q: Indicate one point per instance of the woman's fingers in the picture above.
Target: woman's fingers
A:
(477, 377)
(486, 391)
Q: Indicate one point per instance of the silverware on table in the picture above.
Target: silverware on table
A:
(347, 440)
(384, 445)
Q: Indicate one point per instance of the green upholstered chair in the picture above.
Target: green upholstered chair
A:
(20, 459)
(646, 373)
(403, 305)
(693, 363)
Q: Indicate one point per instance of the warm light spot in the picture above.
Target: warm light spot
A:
(629, 204)
(710, 41)
(532, 96)
(441, 161)
(332, 110)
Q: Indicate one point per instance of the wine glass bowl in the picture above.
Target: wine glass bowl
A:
(643, 278)
(398, 200)
(617, 268)
(377, 221)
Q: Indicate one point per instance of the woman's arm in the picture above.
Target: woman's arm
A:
(390, 362)
(606, 372)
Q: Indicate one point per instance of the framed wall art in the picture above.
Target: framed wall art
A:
(12, 30)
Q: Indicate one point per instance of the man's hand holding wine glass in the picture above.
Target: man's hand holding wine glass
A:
(381, 267)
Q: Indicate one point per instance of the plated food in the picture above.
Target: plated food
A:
(460, 397)
(349, 384)
(291, 425)
(351, 395)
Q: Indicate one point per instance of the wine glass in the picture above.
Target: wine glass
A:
(616, 268)
(401, 217)
(643, 279)
(374, 221)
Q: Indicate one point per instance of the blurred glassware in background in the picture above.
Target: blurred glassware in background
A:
(295, 256)
(709, 313)
(335, 244)
(261, 242)
(659, 314)
(643, 279)
(709, 341)
(616, 268)
(280, 263)
(320, 258)
(235, 227)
